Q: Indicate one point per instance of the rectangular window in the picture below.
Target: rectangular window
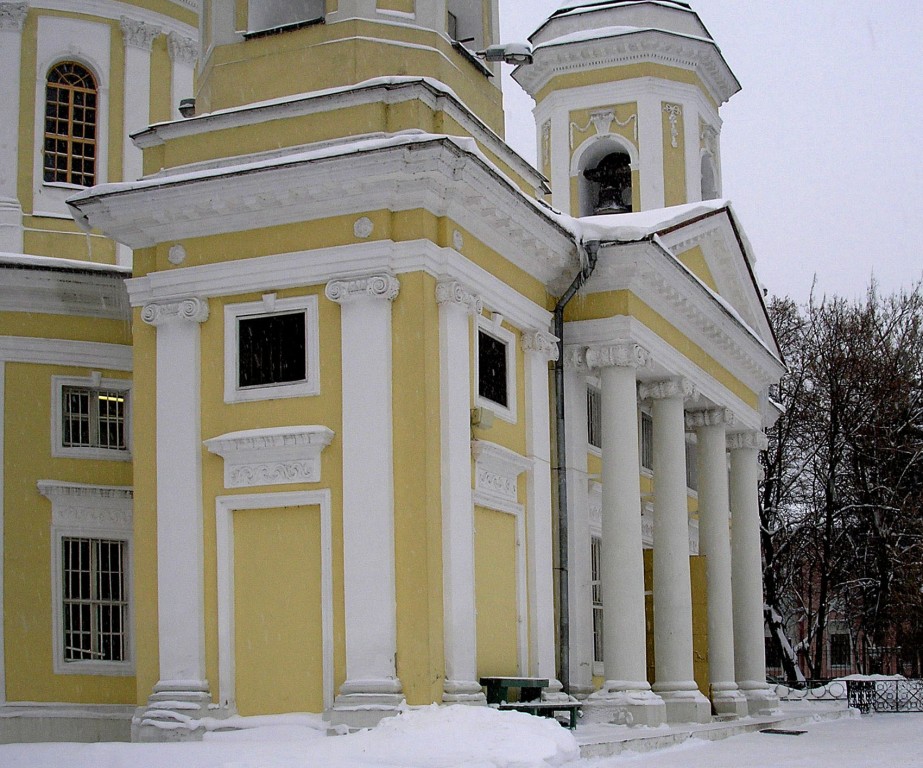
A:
(495, 369)
(647, 442)
(95, 604)
(773, 659)
(91, 417)
(597, 597)
(271, 349)
(594, 417)
(692, 470)
(840, 655)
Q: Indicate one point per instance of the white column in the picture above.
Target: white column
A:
(540, 348)
(138, 37)
(372, 689)
(747, 571)
(12, 16)
(580, 606)
(626, 690)
(715, 544)
(182, 687)
(673, 656)
(456, 306)
(183, 53)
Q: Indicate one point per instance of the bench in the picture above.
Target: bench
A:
(530, 693)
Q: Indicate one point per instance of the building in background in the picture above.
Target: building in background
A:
(277, 427)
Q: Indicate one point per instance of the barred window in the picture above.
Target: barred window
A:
(647, 442)
(594, 417)
(271, 350)
(597, 596)
(839, 649)
(95, 602)
(70, 125)
(692, 468)
(93, 418)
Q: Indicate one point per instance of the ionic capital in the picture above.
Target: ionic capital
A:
(138, 34)
(714, 417)
(753, 440)
(449, 292)
(194, 310)
(13, 15)
(621, 355)
(542, 343)
(183, 50)
(667, 388)
(381, 286)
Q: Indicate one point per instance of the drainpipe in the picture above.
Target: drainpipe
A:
(590, 250)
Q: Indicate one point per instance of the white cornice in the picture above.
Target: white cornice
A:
(389, 91)
(82, 354)
(300, 268)
(645, 45)
(63, 291)
(432, 173)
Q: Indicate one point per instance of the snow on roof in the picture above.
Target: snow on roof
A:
(569, 7)
(601, 33)
(52, 262)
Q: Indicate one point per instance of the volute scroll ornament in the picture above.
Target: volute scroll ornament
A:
(193, 310)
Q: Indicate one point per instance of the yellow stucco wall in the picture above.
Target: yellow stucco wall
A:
(495, 591)
(674, 154)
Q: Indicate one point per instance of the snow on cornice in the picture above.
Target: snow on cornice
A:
(53, 262)
(600, 33)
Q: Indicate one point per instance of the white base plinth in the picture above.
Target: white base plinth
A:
(729, 702)
(686, 706)
(624, 706)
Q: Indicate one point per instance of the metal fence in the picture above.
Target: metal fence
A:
(886, 695)
(812, 690)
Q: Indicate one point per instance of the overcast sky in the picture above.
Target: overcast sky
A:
(821, 150)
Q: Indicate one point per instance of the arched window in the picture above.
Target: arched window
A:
(70, 125)
(610, 185)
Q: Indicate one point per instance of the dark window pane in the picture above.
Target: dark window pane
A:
(492, 369)
(271, 349)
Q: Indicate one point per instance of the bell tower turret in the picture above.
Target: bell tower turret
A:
(627, 96)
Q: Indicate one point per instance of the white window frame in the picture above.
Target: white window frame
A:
(268, 306)
(597, 608)
(94, 381)
(493, 327)
(89, 512)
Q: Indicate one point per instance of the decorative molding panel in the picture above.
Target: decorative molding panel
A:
(674, 113)
(271, 456)
(497, 470)
(91, 508)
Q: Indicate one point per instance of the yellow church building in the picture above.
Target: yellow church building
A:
(316, 397)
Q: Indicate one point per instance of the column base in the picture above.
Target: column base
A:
(727, 701)
(580, 692)
(173, 712)
(621, 702)
(555, 692)
(684, 702)
(761, 699)
(463, 692)
(365, 703)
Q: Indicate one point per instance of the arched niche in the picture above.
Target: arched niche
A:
(603, 167)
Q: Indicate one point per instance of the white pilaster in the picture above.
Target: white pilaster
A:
(715, 544)
(747, 572)
(626, 693)
(580, 611)
(540, 348)
(12, 16)
(456, 306)
(650, 139)
(138, 38)
(372, 689)
(675, 679)
(182, 689)
(183, 54)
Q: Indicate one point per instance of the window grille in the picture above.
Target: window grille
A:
(594, 417)
(597, 596)
(95, 602)
(271, 349)
(70, 125)
(839, 650)
(93, 418)
(647, 442)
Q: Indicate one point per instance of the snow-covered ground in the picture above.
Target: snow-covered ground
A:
(478, 737)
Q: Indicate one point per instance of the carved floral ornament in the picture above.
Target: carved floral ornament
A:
(754, 441)
(13, 15)
(712, 417)
(193, 310)
(667, 388)
(621, 355)
(541, 343)
(452, 292)
(674, 113)
(182, 49)
(137, 34)
(602, 121)
(380, 286)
